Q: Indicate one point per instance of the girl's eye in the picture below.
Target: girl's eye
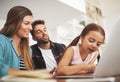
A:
(99, 44)
(91, 40)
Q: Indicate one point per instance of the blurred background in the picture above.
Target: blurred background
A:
(66, 18)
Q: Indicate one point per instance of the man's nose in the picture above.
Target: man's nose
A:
(44, 32)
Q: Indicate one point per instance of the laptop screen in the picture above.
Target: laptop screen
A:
(109, 64)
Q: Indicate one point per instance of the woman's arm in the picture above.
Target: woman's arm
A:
(30, 73)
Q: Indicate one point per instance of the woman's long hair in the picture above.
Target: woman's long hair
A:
(14, 20)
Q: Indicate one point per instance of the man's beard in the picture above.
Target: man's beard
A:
(43, 42)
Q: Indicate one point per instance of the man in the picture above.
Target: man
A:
(46, 54)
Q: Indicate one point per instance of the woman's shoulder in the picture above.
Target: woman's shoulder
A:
(4, 39)
(2, 36)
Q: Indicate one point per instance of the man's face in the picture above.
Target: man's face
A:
(41, 34)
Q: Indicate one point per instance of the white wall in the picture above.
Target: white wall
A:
(52, 11)
(111, 13)
(56, 13)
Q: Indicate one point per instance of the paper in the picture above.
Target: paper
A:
(11, 78)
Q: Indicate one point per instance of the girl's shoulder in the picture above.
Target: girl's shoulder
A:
(69, 49)
(75, 47)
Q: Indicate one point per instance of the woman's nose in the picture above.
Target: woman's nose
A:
(30, 27)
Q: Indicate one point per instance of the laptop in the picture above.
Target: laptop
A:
(109, 63)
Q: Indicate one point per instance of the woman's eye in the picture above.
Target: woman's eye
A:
(26, 23)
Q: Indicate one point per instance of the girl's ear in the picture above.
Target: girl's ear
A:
(81, 37)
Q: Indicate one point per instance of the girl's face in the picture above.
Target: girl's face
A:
(25, 27)
(92, 41)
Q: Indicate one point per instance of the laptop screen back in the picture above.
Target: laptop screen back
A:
(109, 64)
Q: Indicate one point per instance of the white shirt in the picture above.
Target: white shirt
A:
(49, 59)
(77, 58)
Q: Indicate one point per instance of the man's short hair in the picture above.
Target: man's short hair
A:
(36, 22)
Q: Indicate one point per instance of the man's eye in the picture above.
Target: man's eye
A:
(38, 32)
(45, 30)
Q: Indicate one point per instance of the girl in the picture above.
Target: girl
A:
(81, 58)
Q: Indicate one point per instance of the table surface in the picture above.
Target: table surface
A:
(28, 79)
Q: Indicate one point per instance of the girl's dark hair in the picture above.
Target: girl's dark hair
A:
(86, 30)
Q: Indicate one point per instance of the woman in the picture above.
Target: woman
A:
(14, 45)
(80, 58)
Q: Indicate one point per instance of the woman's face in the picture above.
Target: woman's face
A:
(92, 41)
(25, 27)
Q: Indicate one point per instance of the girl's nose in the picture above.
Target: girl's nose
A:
(95, 46)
